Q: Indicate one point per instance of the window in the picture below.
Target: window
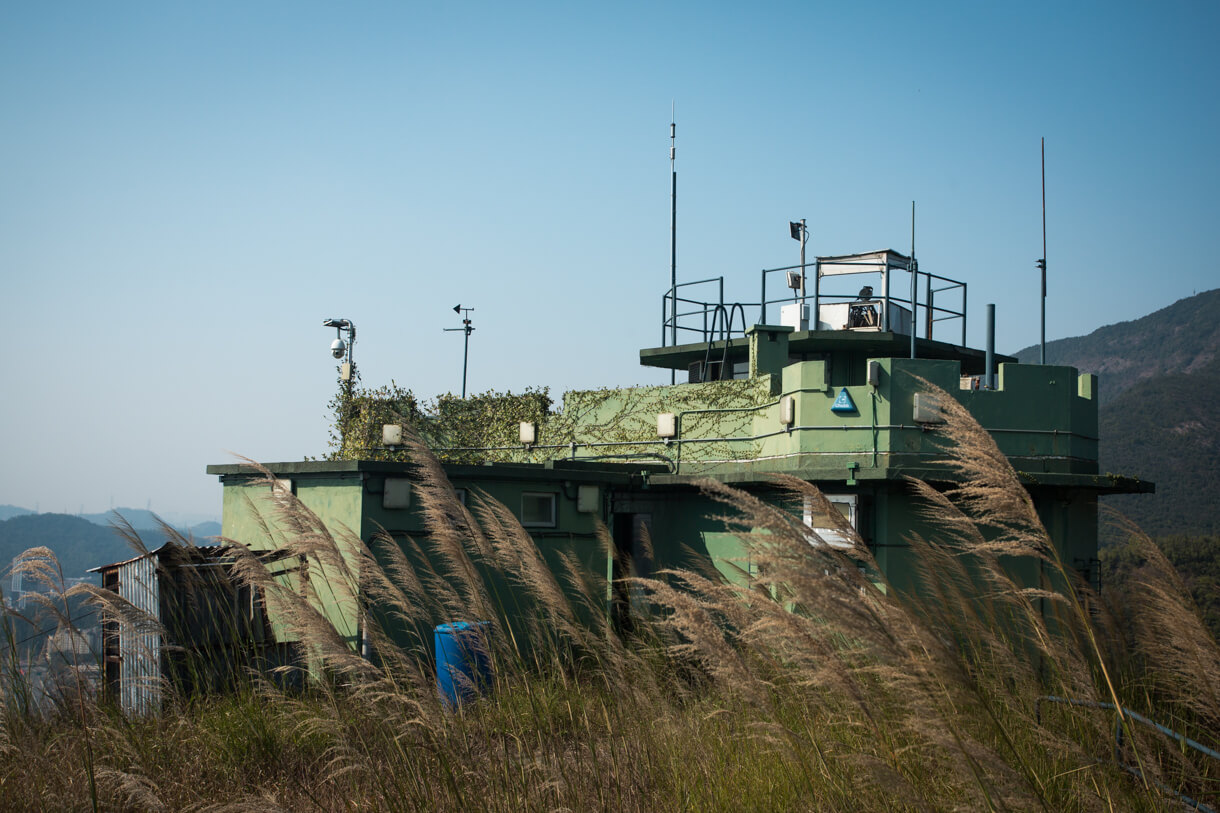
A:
(397, 493)
(847, 505)
(538, 509)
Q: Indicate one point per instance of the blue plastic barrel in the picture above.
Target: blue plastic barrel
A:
(463, 668)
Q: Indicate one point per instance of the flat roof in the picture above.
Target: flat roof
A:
(879, 345)
(1098, 483)
(601, 471)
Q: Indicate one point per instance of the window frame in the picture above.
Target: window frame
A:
(552, 522)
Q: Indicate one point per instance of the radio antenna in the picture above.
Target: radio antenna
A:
(673, 238)
(914, 280)
(1042, 262)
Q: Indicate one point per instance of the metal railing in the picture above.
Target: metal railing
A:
(689, 315)
(1121, 713)
(672, 317)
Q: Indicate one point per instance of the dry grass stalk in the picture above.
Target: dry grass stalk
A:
(805, 686)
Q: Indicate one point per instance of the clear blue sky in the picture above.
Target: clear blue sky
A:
(188, 189)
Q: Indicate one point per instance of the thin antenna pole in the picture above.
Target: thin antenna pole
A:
(804, 240)
(914, 279)
(1042, 352)
(465, 357)
(673, 239)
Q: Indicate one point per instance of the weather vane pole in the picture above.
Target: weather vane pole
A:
(467, 328)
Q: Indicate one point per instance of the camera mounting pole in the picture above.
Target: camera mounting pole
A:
(343, 351)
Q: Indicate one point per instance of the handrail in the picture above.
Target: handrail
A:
(726, 335)
(1139, 718)
(1121, 713)
(927, 312)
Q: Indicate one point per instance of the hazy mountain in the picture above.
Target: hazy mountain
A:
(141, 519)
(9, 511)
(77, 543)
(204, 530)
(1181, 338)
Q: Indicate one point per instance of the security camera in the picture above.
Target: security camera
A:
(338, 348)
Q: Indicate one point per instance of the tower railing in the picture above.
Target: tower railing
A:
(689, 311)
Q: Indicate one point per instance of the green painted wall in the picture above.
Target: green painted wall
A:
(1043, 418)
(251, 517)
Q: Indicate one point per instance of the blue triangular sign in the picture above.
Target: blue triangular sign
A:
(843, 403)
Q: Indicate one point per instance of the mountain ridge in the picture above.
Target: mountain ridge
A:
(1180, 338)
(1159, 410)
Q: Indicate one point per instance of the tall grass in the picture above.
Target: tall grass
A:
(809, 685)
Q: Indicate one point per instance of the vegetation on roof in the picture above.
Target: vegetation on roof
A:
(485, 426)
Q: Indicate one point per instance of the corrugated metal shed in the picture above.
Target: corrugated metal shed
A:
(134, 646)
(139, 641)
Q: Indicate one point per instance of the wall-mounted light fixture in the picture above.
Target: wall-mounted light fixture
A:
(787, 411)
(528, 432)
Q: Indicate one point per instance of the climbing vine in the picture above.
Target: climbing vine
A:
(604, 423)
(454, 427)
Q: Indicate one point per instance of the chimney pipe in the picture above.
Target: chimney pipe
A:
(989, 363)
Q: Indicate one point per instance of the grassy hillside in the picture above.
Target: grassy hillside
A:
(1181, 338)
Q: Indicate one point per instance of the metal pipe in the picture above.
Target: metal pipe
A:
(885, 299)
(815, 322)
(762, 298)
(963, 314)
(930, 316)
(989, 363)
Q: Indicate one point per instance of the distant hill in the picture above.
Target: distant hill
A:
(80, 542)
(204, 530)
(143, 520)
(1181, 338)
(77, 543)
(139, 519)
(1159, 420)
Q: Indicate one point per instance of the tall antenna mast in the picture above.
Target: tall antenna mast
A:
(673, 237)
(1042, 262)
(914, 280)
